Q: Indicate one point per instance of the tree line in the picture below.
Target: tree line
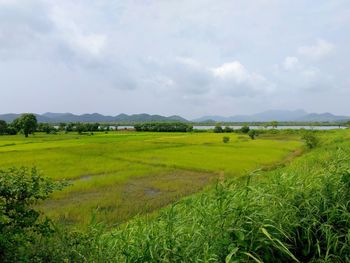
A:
(28, 124)
(164, 127)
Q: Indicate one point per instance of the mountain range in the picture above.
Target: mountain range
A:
(271, 115)
(50, 117)
(277, 115)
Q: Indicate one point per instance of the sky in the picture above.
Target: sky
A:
(174, 57)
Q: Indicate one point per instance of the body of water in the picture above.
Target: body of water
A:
(278, 127)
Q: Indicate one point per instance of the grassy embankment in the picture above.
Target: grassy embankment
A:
(124, 174)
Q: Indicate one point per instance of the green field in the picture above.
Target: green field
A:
(121, 174)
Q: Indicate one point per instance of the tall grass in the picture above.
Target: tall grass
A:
(300, 213)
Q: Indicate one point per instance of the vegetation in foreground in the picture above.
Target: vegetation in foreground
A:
(299, 213)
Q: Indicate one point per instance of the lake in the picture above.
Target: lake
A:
(236, 127)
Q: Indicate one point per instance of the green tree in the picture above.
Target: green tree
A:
(218, 128)
(45, 127)
(252, 134)
(80, 128)
(245, 129)
(3, 127)
(27, 123)
(274, 124)
(228, 129)
(62, 126)
(11, 130)
(20, 223)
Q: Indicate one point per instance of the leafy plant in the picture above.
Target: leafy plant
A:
(20, 223)
(245, 129)
(311, 140)
(218, 128)
(225, 139)
(252, 134)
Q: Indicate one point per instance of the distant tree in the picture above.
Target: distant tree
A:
(69, 127)
(27, 123)
(245, 129)
(3, 127)
(163, 127)
(252, 134)
(62, 126)
(11, 130)
(45, 127)
(228, 129)
(225, 139)
(80, 128)
(274, 124)
(16, 124)
(218, 128)
(311, 140)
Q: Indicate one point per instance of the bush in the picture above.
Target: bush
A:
(228, 129)
(20, 223)
(252, 134)
(225, 139)
(218, 129)
(311, 140)
(245, 129)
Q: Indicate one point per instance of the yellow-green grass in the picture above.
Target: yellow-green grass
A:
(125, 173)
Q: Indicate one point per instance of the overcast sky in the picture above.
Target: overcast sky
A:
(184, 57)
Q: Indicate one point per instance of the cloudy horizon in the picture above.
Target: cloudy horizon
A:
(188, 58)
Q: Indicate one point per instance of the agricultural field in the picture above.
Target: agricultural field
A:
(118, 175)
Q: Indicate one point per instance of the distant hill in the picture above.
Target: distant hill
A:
(277, 115)
(50, 117)
(271, 115)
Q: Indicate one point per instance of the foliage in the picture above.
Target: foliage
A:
(252, 134)
(311, 140)
(218, 128)
(228, 129)
(225, 139)
(164, 127)
(245, 129)
(3, 127)
(27, 123)
(20, 224)
(11, 130)
(274, 124)
(46, 127)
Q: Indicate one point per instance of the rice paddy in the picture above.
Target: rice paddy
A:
(121, 174)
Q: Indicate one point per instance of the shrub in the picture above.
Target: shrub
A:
(245, 129)
(311, 140)
(228, 129)
(218, 128)
(252, 134)
(225, 139)
(20, 223)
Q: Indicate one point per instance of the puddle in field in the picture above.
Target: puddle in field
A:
(152, 191)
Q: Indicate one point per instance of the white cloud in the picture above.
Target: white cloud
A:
(233, 70)
(89, 43)
(290, 63)
(321, 49)
(234, 79)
